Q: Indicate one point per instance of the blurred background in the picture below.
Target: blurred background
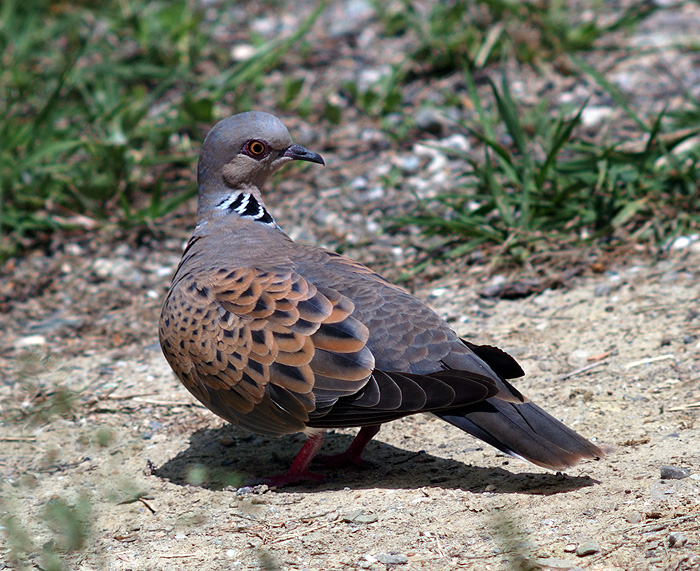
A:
(453, 130)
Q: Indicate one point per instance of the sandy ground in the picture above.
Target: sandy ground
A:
(95, 424)
(107, 463)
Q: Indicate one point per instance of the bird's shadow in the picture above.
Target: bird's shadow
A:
(227, 456)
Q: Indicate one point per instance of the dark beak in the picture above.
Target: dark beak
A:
(299, 153)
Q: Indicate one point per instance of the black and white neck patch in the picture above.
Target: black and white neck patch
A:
(247, 206)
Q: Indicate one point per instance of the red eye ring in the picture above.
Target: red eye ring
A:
(257, 148)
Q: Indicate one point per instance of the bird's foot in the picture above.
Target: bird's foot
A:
(353, 455)
(299, 470)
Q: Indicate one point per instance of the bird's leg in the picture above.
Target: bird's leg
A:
(353, 455)
(299, 470)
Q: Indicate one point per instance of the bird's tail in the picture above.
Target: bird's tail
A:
(523, 430)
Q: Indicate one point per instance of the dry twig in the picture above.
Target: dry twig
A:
(581, 370)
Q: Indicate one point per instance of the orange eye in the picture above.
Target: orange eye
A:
(256, 148)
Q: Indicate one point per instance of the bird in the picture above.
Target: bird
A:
(281, 337)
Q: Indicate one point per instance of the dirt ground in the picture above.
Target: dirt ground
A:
(106, 462)
(93, 420)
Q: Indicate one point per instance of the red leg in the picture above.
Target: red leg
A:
(299, 470)
(353, 455)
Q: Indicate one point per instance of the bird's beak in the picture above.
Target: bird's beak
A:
(299, 153)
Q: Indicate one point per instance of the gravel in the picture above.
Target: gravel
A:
(677, 539)
(587, 548)
(674, 472)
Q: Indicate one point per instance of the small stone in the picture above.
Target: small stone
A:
(593, 116)
(669, 277)
(578, 357)
(359, 183)
(366, 518)
(124, 271)
(392, 558)
(429, 120)
(409, 164)
(456, 142)
(242, 52)
(359, 517)
(553, 563)
(30, 341)
(73, 249)
(370, 194)
(677, 539)
(587, 548)
(570, 548)
(226, 441)
(682, 242)
(633, 517)
(350, 18)
(674, 473)
(601, 290)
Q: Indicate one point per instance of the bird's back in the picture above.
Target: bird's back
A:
(405, 335)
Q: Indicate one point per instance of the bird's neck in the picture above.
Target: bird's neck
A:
(246, 205)
(241, 202)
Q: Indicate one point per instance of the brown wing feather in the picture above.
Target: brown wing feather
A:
(253, 345)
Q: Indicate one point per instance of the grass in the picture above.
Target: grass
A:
(67, 524)
(100, 102)
(538, 185)
(451, 35)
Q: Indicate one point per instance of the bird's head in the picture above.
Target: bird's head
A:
(241, 152)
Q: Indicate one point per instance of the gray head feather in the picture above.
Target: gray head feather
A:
(224, 168)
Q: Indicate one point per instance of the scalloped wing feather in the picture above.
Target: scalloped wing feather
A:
(255, 346)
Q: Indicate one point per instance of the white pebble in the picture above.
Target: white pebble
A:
(680, 243)
(242, 52)
(30, 341)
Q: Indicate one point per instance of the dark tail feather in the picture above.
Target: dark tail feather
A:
(523, 430)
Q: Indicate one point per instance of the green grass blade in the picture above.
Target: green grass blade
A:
(612, 90)
(562, 136)
(509, 114)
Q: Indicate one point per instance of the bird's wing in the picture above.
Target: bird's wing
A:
(273, 352)
(260, 348)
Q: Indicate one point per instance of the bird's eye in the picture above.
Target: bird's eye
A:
(256, 148)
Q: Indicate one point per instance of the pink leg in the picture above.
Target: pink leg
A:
(353, 455)
(299, 470)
